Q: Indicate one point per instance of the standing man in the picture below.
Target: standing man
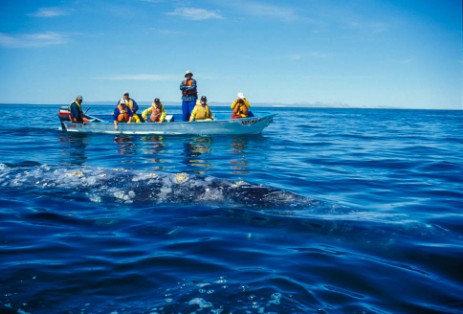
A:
(76, 113)
(189, 95)
(132, 104)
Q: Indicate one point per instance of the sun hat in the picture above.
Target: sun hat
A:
(241, 95)
(79, 97)
(188, 72)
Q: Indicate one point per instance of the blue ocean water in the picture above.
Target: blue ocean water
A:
(328, 211)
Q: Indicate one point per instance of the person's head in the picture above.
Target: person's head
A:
(203, 100)
(157, 102)
(241, 95)
(123, 102)
(126, 95)
(79, 99)
(240, 101)
(188, 74)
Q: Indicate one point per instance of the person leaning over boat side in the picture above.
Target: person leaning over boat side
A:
(132, 104)
(240, 107)
(76, 113)
(122, 113)
(156, 111)
(201, 111)
(189, 95)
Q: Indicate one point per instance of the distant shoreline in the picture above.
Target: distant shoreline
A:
(221, 104)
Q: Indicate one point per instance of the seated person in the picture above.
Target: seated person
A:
(122, 113)
(132, 104)
(240, 107)
(240, 110)
(201, 111)
(156, 111)
(76, 114)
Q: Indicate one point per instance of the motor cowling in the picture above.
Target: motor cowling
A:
(64, 114)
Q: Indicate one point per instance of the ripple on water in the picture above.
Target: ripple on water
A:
(377, 230)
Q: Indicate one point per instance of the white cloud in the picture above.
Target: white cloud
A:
(196, 14)
(138, 77)
(50, 12)
(32, 40)
(276, 12)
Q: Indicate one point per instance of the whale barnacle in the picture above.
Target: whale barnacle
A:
(181, 177)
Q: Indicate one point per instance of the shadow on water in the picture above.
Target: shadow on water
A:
(239, 147)
(203, 155)
(73, 149)
(196, 151)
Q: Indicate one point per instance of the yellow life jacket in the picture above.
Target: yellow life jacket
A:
(156, 112)
(241, 109)
(201, 112)
(78, 106)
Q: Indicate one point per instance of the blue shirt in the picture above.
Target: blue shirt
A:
(184, 87)
(76, 112)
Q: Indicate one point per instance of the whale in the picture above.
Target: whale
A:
(97, 184)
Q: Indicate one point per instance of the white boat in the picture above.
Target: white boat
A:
(221, 125)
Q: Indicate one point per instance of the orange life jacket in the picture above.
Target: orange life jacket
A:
(123, 116)
(189, 82)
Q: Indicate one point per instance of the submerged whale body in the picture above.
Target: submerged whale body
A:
(123, 185)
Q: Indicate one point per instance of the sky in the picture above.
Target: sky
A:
(359, 53)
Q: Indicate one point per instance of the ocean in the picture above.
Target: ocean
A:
(327, 211)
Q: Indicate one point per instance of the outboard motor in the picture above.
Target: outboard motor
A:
(64, 115)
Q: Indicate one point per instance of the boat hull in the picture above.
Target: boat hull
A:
(253, 125)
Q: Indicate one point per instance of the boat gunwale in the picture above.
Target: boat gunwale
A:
(262, 121)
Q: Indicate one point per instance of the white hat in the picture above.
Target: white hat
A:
(79, 97)
(188, 72)
(123, 101)
(241, 95)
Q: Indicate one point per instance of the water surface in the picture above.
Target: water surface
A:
(361, 211)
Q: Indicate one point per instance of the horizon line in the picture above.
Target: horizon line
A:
(256, 104)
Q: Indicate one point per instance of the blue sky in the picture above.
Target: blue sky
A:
(358, 53)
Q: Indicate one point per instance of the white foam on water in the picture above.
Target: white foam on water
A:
(200, 302)
(94, 198)
(203, 284)
(275, 298)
